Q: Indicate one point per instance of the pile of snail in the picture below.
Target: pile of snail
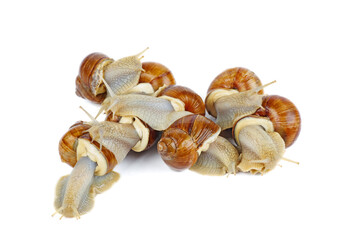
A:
(144, 106)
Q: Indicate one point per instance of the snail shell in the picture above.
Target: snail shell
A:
(181, 144)
(284, 115)
(76, 141)
(157, 75)
(228, 82)
(192, 102)
(238, 78)
(89, 83)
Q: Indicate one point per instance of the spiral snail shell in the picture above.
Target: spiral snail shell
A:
(192, 102)
(184, 140)
(89, 83)
(284, 115)
(157, 75)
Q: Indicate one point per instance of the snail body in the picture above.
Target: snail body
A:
(124, 73)
(148, 136)
(230, 81)
(261, 147)
(158, 112)
(220, 158)
(75, 193)
(93, 149)
(233, 107)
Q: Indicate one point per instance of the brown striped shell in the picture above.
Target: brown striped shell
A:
(238, 78)
(153, 135)
(88, 85)
(157, 75)
(284, 115)
(68, 145)
(180, 143)
(193, 102)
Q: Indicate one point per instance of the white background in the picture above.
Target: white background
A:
(311, 48)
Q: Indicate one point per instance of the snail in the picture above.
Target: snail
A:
(264, 136)
(93, 149)
(126, 75)
(193, 142)
(234, 94)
